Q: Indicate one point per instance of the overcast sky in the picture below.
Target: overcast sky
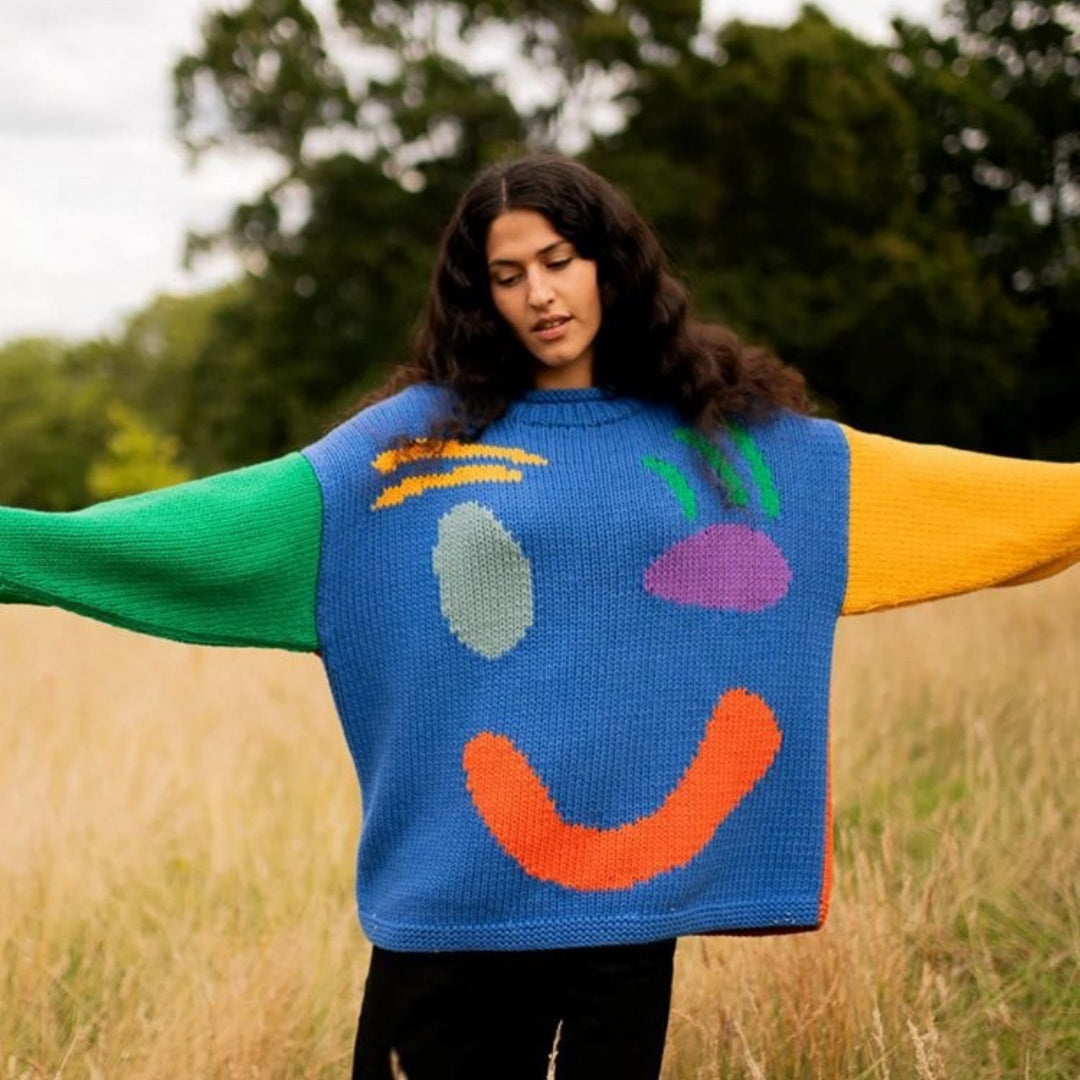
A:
(95, 193)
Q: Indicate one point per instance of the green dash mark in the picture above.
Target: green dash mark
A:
(736, 490)
(744, 442)
(680, 486)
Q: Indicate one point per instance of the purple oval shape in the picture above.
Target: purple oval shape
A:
(723, 568)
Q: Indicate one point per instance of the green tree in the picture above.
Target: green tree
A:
(998, 97)
(784, 185)
(136, 458)
(158, 348)
(338, 250)
(376, 137)
(63, 403)
(329, 311)
(152, 367)
(800, 177)
(54, 419)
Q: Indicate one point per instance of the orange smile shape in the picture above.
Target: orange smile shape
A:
(740, 742)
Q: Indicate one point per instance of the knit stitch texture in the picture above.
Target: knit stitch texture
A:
(582, 664)
(563, 691)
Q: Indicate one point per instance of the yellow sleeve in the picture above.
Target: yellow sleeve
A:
(931, 521)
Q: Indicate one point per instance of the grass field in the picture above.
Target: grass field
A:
(176, 857)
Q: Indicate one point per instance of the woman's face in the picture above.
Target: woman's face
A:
(548, 295)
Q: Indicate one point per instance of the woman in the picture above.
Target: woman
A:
(548, 280)
(574, 576)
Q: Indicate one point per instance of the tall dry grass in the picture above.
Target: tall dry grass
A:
(176, 846)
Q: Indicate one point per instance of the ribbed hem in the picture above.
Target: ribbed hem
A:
(780, 915)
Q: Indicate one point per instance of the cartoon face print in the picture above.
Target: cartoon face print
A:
(485, 579)
(487, 601)
(723, 567)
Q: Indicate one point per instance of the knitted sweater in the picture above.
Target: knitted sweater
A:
(582, 664)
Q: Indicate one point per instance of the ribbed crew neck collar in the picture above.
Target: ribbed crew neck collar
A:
(579, 407)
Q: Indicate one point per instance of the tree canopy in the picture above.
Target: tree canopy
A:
(900, 221)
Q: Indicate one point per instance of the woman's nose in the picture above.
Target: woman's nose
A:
(540, 291)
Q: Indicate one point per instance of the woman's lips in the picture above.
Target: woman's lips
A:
(551, 330)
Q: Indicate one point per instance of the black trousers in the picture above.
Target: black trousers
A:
(488, 1015)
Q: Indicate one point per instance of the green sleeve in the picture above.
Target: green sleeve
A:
(229, 560)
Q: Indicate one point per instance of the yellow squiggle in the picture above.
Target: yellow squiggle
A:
(412, 486)
(433, 449)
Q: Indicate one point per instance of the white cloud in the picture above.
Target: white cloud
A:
(94, 225)
(95, 196)
(870, 19)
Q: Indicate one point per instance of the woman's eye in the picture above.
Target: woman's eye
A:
(506, 281)
(559, 264)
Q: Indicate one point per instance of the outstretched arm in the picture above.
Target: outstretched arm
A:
(228, 560)
(930, 521)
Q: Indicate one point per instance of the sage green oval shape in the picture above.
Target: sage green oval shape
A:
(485, 580)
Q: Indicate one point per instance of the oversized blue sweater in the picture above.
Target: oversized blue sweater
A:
(582, 665)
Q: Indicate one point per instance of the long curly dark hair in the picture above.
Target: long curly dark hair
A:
(649, 344)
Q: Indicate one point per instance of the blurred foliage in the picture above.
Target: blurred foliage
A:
(91, 420)
(786, 187)
(136, 458)
(900, 221)
(53, 404)
(998, 102)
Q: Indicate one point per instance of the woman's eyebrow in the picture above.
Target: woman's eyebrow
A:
(542, 252)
